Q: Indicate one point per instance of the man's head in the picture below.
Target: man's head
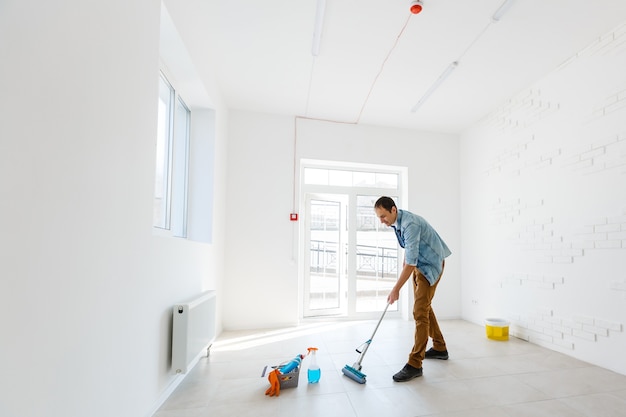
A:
(386, 210)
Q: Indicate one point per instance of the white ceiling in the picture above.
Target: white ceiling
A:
(260, 51)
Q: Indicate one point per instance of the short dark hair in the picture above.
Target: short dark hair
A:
(385, 202)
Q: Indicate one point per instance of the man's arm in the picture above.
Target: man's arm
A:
(407, 270)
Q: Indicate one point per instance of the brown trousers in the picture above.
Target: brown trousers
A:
(425, 321)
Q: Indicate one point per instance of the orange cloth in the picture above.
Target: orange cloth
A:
(274, 379)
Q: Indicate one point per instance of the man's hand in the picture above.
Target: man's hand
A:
(406, 272)
(393, 296)
(274, 388)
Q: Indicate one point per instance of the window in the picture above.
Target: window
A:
(172, 155)
(350, 178)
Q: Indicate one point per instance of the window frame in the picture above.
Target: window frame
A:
(172, 162)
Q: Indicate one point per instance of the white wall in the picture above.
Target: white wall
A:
(86, 289)
(543, 182)
(261, 259)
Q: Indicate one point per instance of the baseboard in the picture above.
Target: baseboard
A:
(177, 380)
(166, 394)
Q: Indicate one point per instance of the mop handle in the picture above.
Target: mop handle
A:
(367, 344)
(379, 321)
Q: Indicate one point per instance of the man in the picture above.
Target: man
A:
(424, 259)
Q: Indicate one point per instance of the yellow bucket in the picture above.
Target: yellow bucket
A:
(497, 329)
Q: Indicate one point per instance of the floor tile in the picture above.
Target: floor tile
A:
(577, 381)
(482, 378)
(598, 405)
(393, 401)
(327, 405)
(548, 408)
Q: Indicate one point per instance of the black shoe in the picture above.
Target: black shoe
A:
(407, 373)
(436, 354)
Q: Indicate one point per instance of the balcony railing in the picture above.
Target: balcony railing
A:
(371, 261)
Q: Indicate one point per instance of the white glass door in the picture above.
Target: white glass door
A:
(351, 259)
(324, 277)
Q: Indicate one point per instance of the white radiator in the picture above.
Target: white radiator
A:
(193, 331)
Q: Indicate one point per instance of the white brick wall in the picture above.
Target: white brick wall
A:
(543, 180)
(543, 327)
(604, 233)
(608, 153)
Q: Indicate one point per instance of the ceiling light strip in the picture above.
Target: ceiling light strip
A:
(319, 25)
(482, 32)
(435, 85)
(504, 7)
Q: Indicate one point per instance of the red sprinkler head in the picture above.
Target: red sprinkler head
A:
(416, 6)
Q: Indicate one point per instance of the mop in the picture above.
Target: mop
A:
(354, 371)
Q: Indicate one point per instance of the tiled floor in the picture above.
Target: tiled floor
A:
(482, 378)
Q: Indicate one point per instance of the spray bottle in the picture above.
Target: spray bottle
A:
(314, 372)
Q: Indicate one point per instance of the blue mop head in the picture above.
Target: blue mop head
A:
(352, 373)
